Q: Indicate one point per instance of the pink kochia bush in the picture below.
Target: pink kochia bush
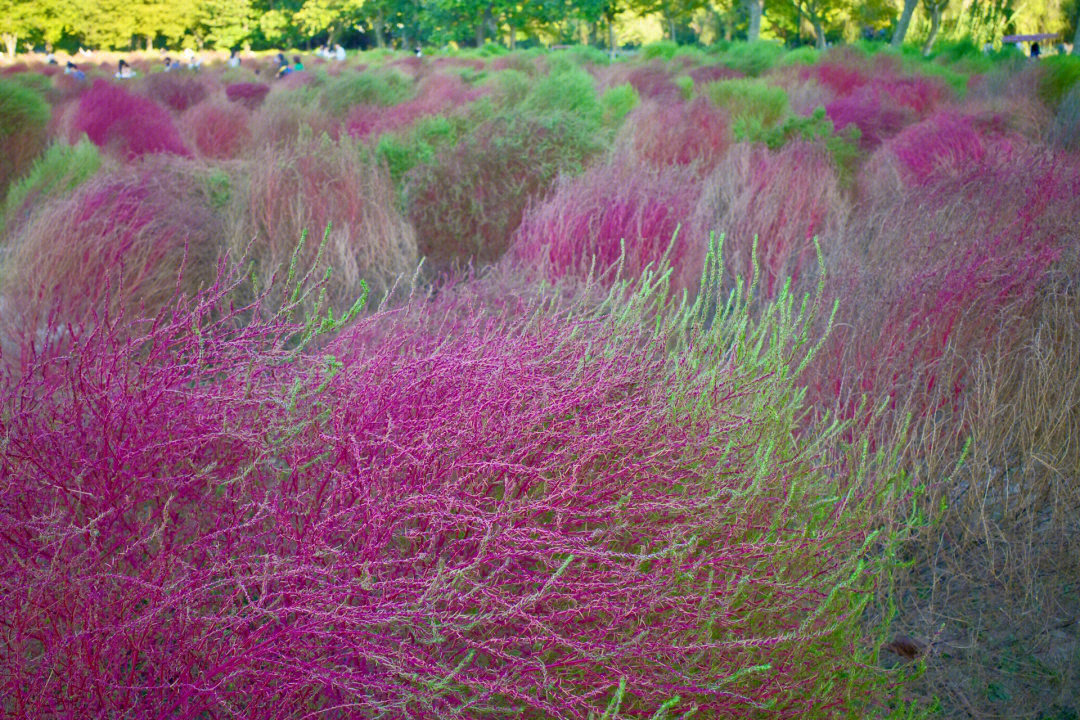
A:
(944, 271)
(679, 133)
(591, 218)
(785, 198)
(950, 144)
(432, 510)
(218, 130)
(127, 124)
(117, 244)
(436, 95)
(250, 95)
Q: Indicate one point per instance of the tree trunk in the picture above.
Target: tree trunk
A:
(671, 27)
(480, 33)
(935, 26)
(612, 48)
(1076, 35)
(513, 38)
(380, 39)
(819, 32)
(11, 41)
(902, 24)
(753, 31)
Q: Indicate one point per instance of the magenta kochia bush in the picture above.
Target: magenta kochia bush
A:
(128, 124)
(622, 205)
(679, 133)
(783, 198)
(945, 271)
(436, 511)
(950, 144)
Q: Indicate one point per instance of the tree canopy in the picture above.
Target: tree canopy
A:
(262, 24)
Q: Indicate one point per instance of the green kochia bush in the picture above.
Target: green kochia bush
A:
(553, 509)
(1060, 74)
(24, 117)
(373, 87)
(571, 91)
(60, 170)
(754, 105)
(467, 203)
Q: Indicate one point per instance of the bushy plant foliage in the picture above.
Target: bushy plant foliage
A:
(383, 87)
(771, 205)
(129, 232)
(754, 105)
(308, 186)
(218, 130)
(177, 91)
(1060, 74)
(950, 144)
(437, 94)
(466, 205)
(694, 133)
(125, 124)
(250, 95)
(615, 219)
(57, 172)
(24, 117)
(432, 510)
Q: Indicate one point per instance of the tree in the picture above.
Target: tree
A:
(903, 23)
(754, 9)
(818, 13)
(934, 8)
(16, 20)
(223, 23)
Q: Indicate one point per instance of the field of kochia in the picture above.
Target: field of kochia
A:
(733, 383)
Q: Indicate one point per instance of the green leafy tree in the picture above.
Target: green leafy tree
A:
(16, 21)
(223, 23)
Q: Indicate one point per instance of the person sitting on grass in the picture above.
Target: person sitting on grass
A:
(73, 70)
(339, 53)
(297, 65)
(234, 58)
(123, 70)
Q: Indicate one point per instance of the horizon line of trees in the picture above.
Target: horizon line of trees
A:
(267, 24)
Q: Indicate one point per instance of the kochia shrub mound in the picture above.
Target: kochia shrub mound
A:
(24, 117)
(950, 144)
(126, 124)
(467, 204)
(250, 95)
(305, 186)
(528, 515)
(776, 202)
(437, 94)
(615, 216)
(117, 244)
(175, 90)
(57, 172)
(694, 133)
(218, 130)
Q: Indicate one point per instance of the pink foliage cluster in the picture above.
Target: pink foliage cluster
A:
(705, 74)
(128, 124)
(949, 143)
(480, 517)
(175, 90)
(218, 130)
(785, 198)
(955, 266)
(875, 97)
(250, 95)
(654, 82)
(437, 94)
(680, 133)
(589, 218)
